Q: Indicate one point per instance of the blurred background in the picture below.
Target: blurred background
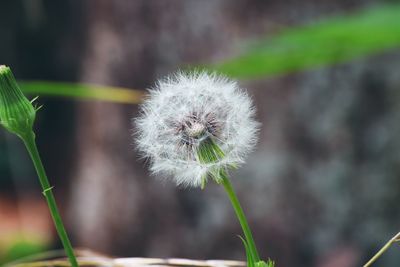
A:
(323, 187)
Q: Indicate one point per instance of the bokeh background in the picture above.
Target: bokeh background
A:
(323, 187)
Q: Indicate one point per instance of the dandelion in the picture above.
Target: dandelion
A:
(182, 113)
(198, 126)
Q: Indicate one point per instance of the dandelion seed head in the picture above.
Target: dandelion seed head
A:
(182, 111)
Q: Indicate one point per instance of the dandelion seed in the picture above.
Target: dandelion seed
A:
(184, 112)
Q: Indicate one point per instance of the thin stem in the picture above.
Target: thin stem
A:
(240, 214)
(29, 141)
(394, 239)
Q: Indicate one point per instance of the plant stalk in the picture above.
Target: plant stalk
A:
(29, 141)
(393, 240)
(240, 214)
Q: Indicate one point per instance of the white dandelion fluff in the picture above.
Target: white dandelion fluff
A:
(184, 111)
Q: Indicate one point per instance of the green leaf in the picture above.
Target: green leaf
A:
(82, 91)
(337, 39)
(249, 255)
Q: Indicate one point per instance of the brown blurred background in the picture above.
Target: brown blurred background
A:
(322, 189)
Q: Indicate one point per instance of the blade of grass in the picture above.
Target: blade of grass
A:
(249, 257)
(330, 41)
(82, 91)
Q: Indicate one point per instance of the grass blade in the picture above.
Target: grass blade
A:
(82, 91)
(333, 40)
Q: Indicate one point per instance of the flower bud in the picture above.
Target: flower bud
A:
(17, 114)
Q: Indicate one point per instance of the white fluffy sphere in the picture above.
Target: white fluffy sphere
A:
(182, 111)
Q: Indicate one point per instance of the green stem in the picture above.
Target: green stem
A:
(394, 239)
(29, 141)
(240, 214)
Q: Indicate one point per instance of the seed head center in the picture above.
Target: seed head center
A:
(196, 130)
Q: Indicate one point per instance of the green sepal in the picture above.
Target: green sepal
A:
(17, 113)
(209, 152)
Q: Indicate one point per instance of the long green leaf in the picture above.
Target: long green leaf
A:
(249, 256)
(334, 40)
(82, 91)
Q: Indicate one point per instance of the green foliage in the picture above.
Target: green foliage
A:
(82, 91)
(21, 249)
(334, 40)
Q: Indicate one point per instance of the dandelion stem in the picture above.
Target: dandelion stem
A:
(240, 214)
(29, 141)
(393, 240)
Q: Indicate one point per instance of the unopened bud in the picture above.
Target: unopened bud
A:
(17, 114)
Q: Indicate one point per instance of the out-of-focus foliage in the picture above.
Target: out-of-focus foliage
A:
(331, 41)
(21, 248)
(334, 40)
(82, 91)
